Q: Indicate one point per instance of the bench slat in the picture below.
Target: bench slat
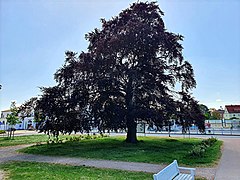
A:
(168, 172)
(172, 172)
(183, 177)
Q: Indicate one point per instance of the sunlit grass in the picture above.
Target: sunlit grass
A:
(4, 141)
(149, 149)
(42, 171)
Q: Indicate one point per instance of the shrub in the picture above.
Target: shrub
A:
(211, 140)
(76, 138)
(197, 151)
(200, 149)
(2, 131)
(88, 137)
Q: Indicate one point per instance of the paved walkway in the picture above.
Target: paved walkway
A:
(228, 168)
(1, 175)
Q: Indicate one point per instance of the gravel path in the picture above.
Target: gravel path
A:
(10, 154)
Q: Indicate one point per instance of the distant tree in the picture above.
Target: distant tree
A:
(215, 115)
(128, 75)
(28, 108)
(204, 109)
(190, 113)
(12, 119)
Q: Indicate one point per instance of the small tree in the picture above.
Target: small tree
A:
(12, 119)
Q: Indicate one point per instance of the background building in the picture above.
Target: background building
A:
(26, 122)
(232, 116)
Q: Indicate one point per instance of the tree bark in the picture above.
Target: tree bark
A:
(169, 129)
(132, 133)
(10, 133)
(131, 124)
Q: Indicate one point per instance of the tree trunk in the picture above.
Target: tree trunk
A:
(10, 133)
(131, 124)
(169, 129)
(132, 133)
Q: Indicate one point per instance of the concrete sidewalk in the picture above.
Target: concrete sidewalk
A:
(229, 166)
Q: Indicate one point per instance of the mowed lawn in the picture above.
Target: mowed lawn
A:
(33, 170)
(149, 150)
(4, 141)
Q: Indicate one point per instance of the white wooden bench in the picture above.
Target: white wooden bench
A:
(172, 171)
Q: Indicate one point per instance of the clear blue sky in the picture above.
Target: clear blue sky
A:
(34, 34)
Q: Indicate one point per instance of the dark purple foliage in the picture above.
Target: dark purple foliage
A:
(128, 75)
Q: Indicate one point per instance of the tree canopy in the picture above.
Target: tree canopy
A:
(130, 73)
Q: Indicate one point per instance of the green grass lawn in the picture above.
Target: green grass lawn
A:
(150, 150)
(32, 170)
(4, 141)
(29, 139)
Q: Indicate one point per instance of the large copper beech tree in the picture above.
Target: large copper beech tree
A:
(128, 75)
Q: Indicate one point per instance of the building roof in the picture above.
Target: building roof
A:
(233, 108)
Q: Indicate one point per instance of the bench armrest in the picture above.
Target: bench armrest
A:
(192, 170)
